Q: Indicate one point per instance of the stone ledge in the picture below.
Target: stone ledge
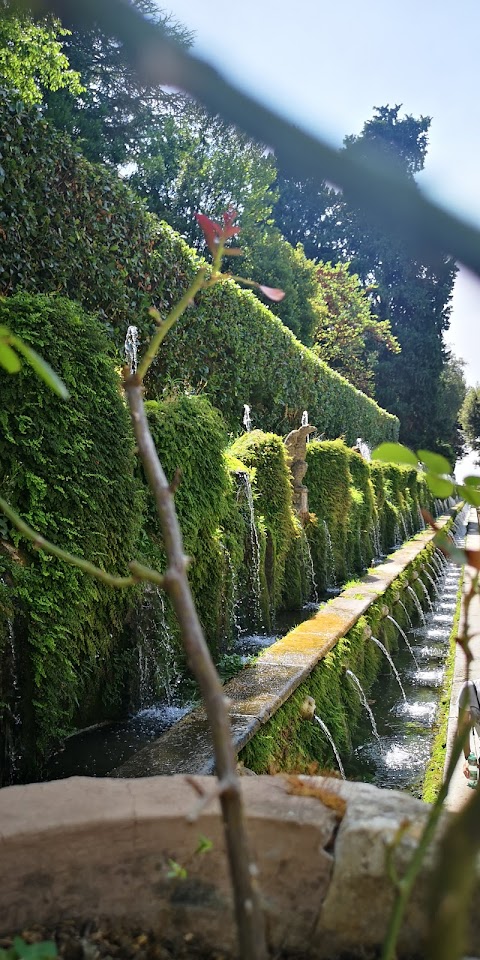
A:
(258, 692)
(84, 848)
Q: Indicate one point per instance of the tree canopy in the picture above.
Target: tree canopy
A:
(32, 58)
(347, 334)
(192, 163)
(470, 417)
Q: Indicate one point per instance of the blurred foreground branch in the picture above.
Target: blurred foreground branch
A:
(376, 186)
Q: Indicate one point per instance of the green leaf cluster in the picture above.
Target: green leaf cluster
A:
(32, 56)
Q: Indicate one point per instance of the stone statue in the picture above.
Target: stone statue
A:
(296, 444)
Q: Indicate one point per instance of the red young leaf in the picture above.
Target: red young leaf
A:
(229, 217)
(212, 231)
(273, 293)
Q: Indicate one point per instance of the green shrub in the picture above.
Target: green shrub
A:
(68, 468)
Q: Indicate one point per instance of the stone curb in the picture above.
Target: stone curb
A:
(88, 848)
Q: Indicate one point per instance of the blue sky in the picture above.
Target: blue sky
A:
(328, 64)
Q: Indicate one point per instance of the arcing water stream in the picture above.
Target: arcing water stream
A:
(399, 757)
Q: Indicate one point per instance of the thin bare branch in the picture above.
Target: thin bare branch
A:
(40, 543)
(250, 924)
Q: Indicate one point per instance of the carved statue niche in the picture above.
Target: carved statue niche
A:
(296, 444)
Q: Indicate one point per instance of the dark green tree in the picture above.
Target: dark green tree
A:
(450, 398)
(115, 113)
(470, 417)
(413, 293)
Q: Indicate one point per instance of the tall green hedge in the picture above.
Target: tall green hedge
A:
(74, 228)
(190, 437)
(329, 484)
(266, 454)
(68, 468)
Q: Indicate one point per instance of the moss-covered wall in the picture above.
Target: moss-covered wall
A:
(355, 498)
(190, 439)
(68, 468)
(289, 743)
(364, 515)
(266, 456)
(329, 484)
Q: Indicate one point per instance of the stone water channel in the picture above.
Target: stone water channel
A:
(95, 752)
(398, 755)
(392, 743)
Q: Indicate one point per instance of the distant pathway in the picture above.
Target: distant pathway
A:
(459, 792)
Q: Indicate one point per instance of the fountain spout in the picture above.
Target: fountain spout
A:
(307, 709)
(131, 348)
(247, 422)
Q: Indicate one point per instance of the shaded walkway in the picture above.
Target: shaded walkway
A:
(459, 791)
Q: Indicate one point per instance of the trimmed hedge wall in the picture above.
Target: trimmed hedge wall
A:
(71, 227)
(265, 455)
(68, 468)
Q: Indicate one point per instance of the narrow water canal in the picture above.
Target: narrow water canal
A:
(398, 758)
(95, 752)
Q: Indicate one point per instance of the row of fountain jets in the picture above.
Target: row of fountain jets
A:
(438, 567)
